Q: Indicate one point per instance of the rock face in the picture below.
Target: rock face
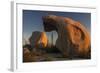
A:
(26, 55)
(38, 39)
(73, 38)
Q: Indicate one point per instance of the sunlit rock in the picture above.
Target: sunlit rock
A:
(73, 38)
(38, 39)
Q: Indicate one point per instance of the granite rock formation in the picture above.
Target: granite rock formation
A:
(26, 55)
(73, 38)
(38, 39)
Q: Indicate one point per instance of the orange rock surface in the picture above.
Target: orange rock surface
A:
(73, 37)
(38, 39)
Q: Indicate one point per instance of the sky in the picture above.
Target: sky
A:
(32, 21)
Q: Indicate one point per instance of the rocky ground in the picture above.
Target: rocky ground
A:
(44, 54)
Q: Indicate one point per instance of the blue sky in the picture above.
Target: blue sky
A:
(32, 21)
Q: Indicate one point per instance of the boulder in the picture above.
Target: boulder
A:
(38, 39)
(73, 37)
(26, 55)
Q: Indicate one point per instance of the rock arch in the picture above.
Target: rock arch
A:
(73, 38)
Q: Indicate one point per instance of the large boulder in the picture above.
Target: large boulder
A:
(38, 39)
(73, 38)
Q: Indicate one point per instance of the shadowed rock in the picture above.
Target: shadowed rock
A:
(26, 55)
(38, 39)
(73, 38)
